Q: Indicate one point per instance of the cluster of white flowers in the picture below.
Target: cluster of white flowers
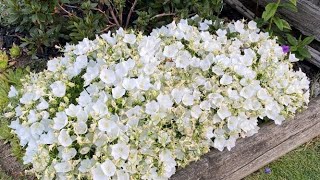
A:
(130, 106)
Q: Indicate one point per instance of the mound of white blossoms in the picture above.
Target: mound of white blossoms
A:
(127, 105)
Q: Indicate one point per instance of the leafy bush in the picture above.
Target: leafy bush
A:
(131, 106)
(48, 23)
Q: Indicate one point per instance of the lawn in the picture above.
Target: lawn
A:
(300, 164)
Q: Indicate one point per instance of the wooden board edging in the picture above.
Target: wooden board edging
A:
(252, 153)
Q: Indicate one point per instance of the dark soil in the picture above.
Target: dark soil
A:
(10, 165)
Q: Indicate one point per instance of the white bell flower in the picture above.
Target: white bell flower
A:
(164, 101)
(98, 174)
(223, 112)
(64, 138)
(63, 167)
(60, 121)
(108, 76)
(118, 92)
(13, 92)
(42, 105)
(80, 127)
(152, 107)
(129, 38)
(58, 88)
(226, 79)
(120, 150)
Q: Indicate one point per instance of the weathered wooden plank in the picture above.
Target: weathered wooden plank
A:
(254, 152)
(247, 13)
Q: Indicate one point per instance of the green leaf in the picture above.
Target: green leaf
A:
(290, 6)
(292, 40)
(307, 40)
(294, 2)
(278, 22)
(286, 25)
(304, 52)
(270, 11)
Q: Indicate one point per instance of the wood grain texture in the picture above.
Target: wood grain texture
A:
(254, 152)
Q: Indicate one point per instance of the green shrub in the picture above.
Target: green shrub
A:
(42, 24)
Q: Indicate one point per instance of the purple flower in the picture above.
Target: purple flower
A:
(267, 170)
(285, 48)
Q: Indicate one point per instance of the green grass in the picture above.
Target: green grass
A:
(300, 164)
(3, 176)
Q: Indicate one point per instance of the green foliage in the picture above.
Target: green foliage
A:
(41, 24)
(15, 51)
(3, 60)
(275, 25)
(7, 78)
(298, 46)
(159, 12)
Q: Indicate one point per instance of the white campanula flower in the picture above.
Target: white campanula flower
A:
(188, 99)
(292, 58)
(60, 121)
(196, 111)
(108, 125)
(32, 117)
(18, 111)
(223, 112)
(73, 110)
(53, 65)
(143, 83)
(152, 107)
(129, 38)
(239, 26)
(98, 174)
(43, 104)
(64, 138)
(118, 92)
(164, 101)
(111, 40)
(86, 165)
(248, 91)
(80, 127)
(107, 75)
(27, 98)
(100, 109)
(68, 153)
(91, 73)
(252, 25)
(83, 47)
(170, 51)
(108, 168)
(63, 167)
(37, 128)
(84, 99)
(129, 84)
(13, 92)
(122, 175)
(81, 61)
(226, 79)
(58, 88)
(177, 95)
(120, 150)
